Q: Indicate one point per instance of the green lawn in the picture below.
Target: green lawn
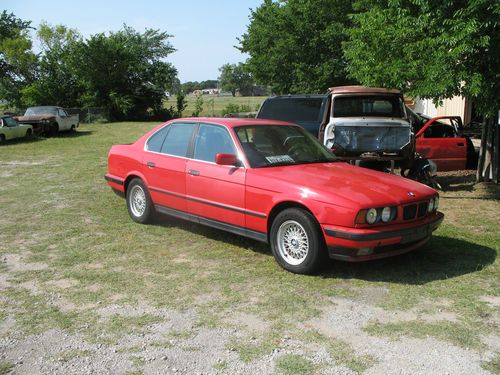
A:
(76, 241)
(213, 105)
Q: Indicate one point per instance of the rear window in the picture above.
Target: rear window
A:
(292, 109)
(363, 106)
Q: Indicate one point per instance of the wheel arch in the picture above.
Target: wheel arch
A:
(130, 177)
(281, 206)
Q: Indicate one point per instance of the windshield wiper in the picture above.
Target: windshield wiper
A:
(280, 164)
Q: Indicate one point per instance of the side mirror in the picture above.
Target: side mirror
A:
(226, 159)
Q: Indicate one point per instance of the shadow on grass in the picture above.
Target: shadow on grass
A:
(18, 141)
(73, 134)
(458, 182)
(442, 258)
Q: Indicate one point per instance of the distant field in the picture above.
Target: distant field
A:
(213, 105)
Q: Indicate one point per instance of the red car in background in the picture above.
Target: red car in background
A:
(441, 140)
(273, 182)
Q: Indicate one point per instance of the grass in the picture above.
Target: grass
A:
(293, 364)
(493, 365)
(6, 368)
(214, 105)
(81, 252)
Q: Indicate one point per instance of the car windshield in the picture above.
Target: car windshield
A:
(369, 105)
(33, 111)
(277, 145)
(9, 121)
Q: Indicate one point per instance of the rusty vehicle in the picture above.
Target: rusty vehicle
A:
(49, 120)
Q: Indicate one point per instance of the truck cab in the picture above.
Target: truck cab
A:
(367, 123)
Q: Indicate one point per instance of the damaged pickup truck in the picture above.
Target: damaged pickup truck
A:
(49, 120)
(355, 122)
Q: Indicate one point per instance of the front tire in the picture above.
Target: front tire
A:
(297, 241)
(139, 205)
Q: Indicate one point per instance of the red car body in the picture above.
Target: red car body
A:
(439, 140)
(246, 200)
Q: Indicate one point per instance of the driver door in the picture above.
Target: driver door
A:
(215, 192)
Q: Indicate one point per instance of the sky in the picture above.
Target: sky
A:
(204, 31)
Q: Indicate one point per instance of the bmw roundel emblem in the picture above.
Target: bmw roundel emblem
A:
(411, 193)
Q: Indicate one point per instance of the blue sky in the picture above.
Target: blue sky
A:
(204, 31)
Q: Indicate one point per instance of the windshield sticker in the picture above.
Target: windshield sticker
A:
(279, 159)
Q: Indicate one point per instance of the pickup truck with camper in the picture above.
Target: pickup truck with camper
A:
(49, 120)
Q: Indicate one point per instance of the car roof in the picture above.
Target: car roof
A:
(232, 122)
(361, 90)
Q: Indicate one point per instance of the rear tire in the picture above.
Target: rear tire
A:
(2, 139)
(29, 134)
(297, 241)
(139, 204)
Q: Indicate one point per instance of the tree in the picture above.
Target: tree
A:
(295, 46)
(125, 71)
(235, 78)
(57, 80)
(17, 61)
(429, 48)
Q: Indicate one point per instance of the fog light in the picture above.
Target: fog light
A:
(365, 251)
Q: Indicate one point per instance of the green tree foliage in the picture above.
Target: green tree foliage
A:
(429, 48)
(235, 78)
(57, 80)
(125, 72)
(190, 86)
(295, 46)
(17, 61)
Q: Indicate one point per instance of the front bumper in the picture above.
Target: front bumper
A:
(355, 245)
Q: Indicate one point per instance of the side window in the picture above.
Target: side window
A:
(156, 140)
(62, 113)
(211, 140)
(177, 141)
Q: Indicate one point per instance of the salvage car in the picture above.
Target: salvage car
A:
(49, 120)
(273, 182)
(441, 140)
(10, 129)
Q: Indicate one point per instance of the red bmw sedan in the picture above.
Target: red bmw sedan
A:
(273, 182)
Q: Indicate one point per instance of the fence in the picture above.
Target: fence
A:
(90, 114)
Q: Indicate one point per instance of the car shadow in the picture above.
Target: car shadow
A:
(73, 134)
(17, 141)
(441, 258)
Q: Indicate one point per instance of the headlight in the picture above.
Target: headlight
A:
(386, 214)
(436, 203)
(431, 205)
(371, 216)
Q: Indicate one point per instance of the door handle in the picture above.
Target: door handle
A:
(151, 164)
(460, 144)
(193, 172)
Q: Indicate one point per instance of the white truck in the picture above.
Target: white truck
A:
(49, 120)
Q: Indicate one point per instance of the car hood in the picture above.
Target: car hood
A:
(35, 118)
(339, 183)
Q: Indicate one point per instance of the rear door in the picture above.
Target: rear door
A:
(165, 165)
(439, 142)
(215, 192)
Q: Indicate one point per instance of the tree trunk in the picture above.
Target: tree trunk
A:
(489, 163)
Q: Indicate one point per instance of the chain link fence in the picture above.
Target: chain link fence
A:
(90, 114)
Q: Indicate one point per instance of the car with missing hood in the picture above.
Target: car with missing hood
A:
(273, 182)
